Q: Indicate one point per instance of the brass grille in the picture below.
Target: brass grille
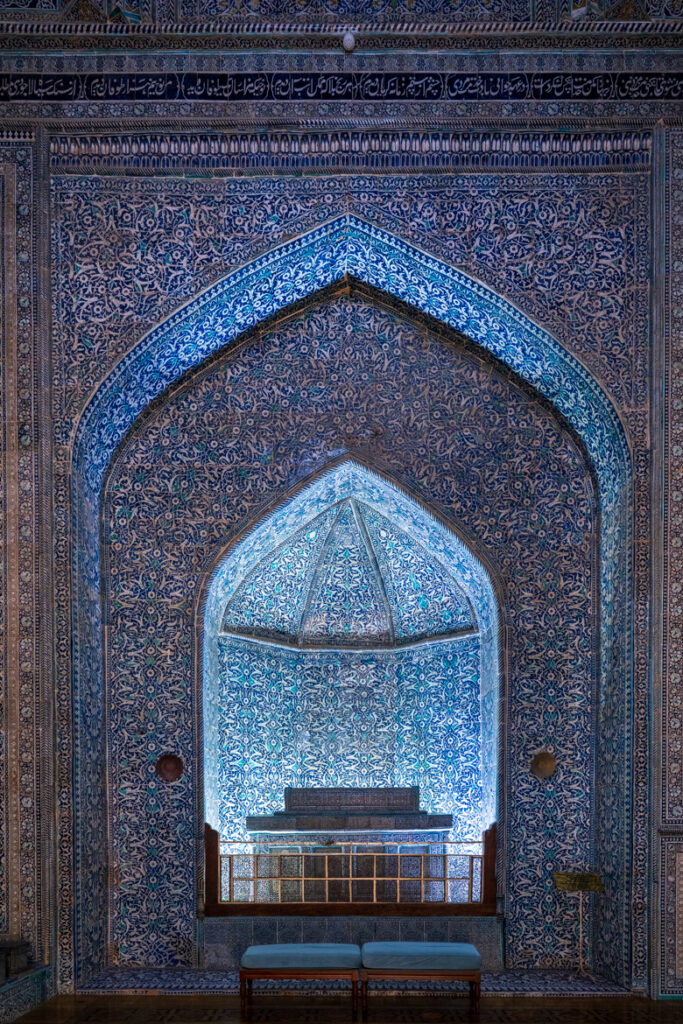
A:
(351, 873)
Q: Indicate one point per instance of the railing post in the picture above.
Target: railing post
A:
(212, 869)
(488, 882)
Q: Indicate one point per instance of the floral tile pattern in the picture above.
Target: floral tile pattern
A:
(194, 474)
(400, 718)
(330, 586)
(618, 365)
(408, 718)
(362, 10)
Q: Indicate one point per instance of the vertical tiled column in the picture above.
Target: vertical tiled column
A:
(21, 908)
(9, 883)
(670, 725)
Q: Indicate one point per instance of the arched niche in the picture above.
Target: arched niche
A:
(233, 438)
(348, 246)
(258, 615)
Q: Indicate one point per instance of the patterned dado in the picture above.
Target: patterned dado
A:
(607, 328)
(347, 374)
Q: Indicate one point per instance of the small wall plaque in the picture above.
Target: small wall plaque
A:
(578, 881)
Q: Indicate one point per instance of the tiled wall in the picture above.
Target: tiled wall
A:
(555, 213)
(405, 718)
(347, 374)
(591, 218)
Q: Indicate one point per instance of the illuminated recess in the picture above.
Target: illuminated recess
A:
(350, 639)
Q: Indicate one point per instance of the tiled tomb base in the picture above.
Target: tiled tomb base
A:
(21, 994)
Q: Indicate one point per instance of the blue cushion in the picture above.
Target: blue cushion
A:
(421, 956)
(304, 955)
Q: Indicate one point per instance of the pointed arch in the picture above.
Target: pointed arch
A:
(293, 271)
(349, 246)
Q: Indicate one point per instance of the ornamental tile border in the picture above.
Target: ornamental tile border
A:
(365, 87)
(332, 75)
(364, 150)
(671, 730)
(339, 86)
(672, 722)
(671, 911)
(19, 616)
(548, 29)
(262, 93)
(6, 855)
(379, 10)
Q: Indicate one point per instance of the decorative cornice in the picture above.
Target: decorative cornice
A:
(360, 150)
(44, 34)
(670, 26)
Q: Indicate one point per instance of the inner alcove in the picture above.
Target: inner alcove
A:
(350, 640)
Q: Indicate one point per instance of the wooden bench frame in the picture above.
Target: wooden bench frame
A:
(249, 974)
(381, 974)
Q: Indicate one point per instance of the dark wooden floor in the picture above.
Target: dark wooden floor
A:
(298, 1009)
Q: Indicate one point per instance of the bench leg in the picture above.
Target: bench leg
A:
(475, 991)
(354, 998)
(364, 997)
(243, 995)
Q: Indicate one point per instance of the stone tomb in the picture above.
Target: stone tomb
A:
(380, 809)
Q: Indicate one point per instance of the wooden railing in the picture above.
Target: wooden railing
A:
(350, 878)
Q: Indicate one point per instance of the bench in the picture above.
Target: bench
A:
(430, 961)
(379, 961)
(299, 961)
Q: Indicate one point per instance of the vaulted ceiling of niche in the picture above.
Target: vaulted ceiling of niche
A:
(351, 578)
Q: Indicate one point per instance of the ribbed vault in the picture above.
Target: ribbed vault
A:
(350, 578)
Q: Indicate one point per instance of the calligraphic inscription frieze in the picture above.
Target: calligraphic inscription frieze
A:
(283, 86)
